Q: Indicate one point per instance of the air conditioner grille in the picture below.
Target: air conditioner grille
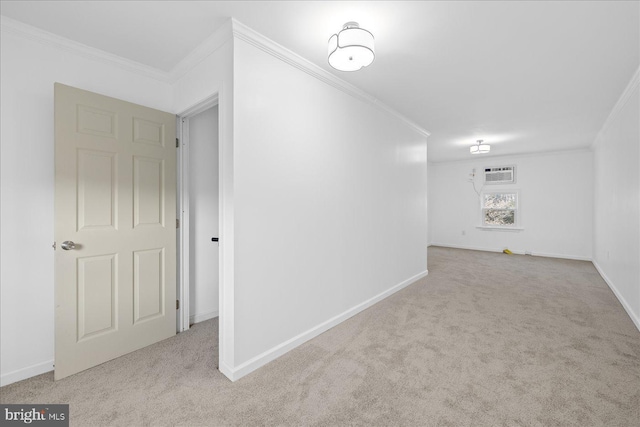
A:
(500, 175)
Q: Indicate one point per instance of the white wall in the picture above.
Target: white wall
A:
(331, 189)
(31, 61)
(28, 72)
(330, 205)
(617, 200)
(208, 76)
(203, 215)
(211, 74)
(556, 205)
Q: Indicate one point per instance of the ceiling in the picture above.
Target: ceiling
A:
(525, 77)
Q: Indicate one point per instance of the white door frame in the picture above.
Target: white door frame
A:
(183, 207)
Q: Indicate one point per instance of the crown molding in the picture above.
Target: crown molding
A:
(212, 43)
(622, 102)
(384, 107)
(256, 39)
(480, 158)
(201, 52)
(231, 28)
(20, 29)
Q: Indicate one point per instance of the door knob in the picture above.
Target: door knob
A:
(67, 245)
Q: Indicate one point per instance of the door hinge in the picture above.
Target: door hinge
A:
(177, 304)
(177, 142)
(54, 246)
(177, 222)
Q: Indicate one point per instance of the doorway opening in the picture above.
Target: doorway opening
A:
(198, 212)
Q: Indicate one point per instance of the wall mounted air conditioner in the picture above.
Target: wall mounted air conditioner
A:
(500, 175)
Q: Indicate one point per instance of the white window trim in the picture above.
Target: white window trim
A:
(498, 228)
(517, 226)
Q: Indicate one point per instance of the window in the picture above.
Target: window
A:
(500, 209)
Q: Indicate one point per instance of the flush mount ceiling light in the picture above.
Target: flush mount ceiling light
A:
(351, 49)
(479, 148)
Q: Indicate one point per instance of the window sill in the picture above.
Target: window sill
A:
(490, 228)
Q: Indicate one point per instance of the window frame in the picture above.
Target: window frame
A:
(516, 211)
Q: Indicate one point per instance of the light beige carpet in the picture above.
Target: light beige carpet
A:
(485, 340)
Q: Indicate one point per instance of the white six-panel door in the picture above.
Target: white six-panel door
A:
(115, 195)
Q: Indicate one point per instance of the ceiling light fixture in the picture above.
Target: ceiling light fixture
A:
(479, 148)
(352, 48)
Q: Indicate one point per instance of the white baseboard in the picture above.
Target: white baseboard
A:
(517, 252)
(471, 248)
(634, 317)
(277, 351)
(226, 371)
(197, 318)
(24, 373)
(562, 256)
